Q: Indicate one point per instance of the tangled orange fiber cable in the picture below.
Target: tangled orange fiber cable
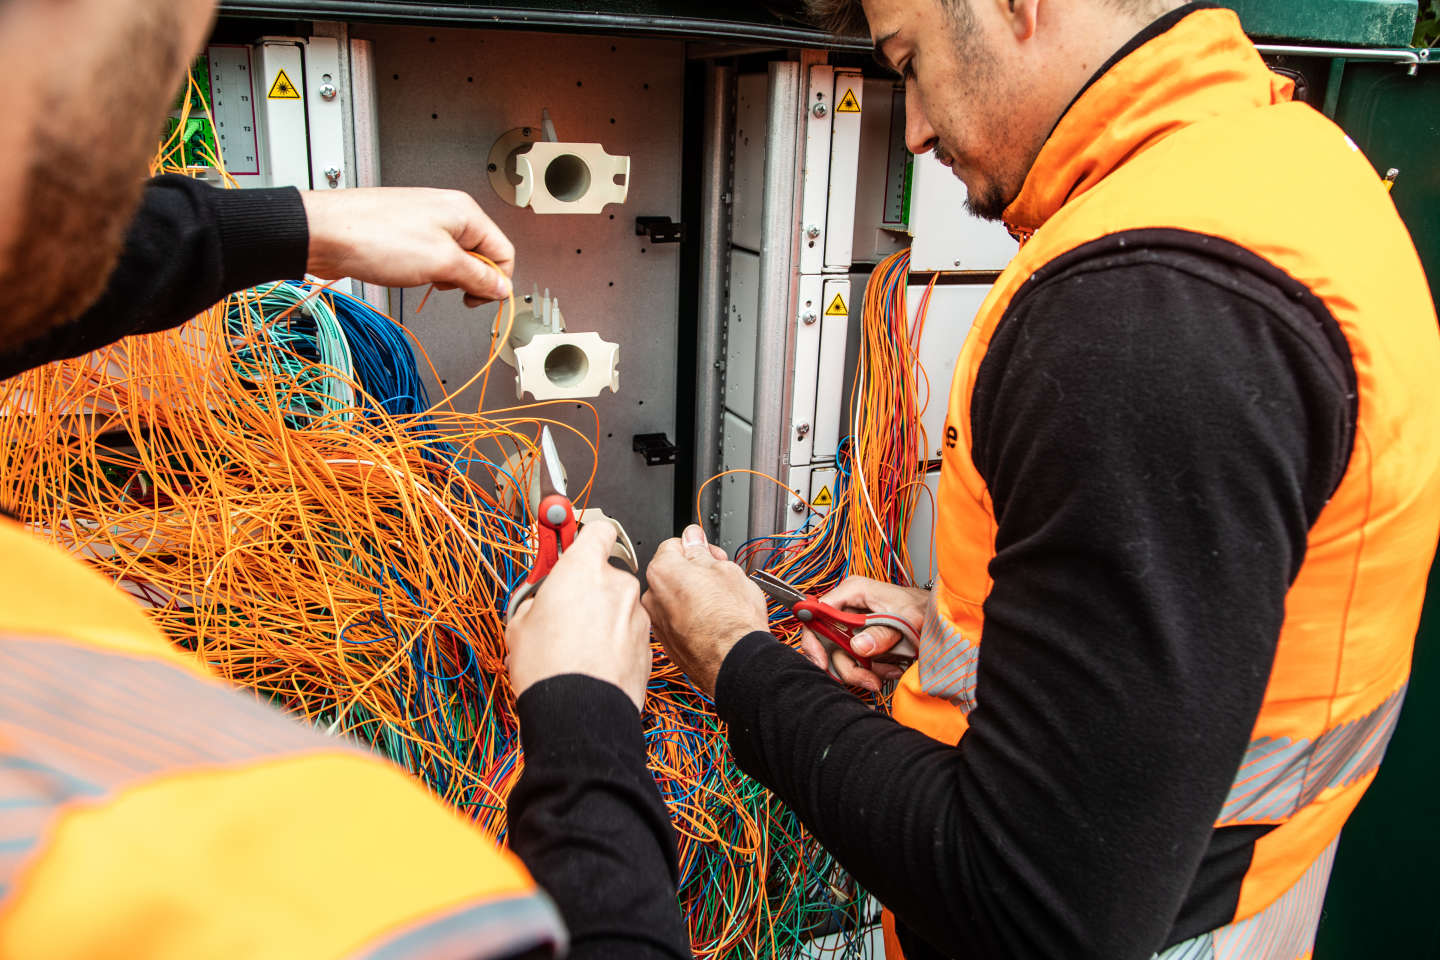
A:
(347, 557)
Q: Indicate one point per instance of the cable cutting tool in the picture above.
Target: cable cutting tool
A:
(840, 626)
(555, 524)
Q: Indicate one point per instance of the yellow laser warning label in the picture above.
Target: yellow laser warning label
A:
(848, 103)
(837, 307)
(823, 498)
(282, 88)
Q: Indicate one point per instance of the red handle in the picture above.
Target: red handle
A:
(554, 533)
(834, 625)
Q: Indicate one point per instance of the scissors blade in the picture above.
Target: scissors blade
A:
(554, 473)
(777, 588)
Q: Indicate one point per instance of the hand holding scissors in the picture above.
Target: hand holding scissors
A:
(840, 626)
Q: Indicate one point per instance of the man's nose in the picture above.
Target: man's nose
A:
(919, 135)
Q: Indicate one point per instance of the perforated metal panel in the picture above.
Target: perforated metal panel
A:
(735, 492)
(750, 127)
(444, 97)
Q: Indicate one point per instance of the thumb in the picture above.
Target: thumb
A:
(596, 538)
(696, 547)
(874, 640)
(477, 278)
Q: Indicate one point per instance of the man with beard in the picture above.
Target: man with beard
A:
(147, 810)
(1190, 494)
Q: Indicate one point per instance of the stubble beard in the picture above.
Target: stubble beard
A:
(83, 179)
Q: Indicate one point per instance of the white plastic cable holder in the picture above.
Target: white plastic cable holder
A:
(551, 364)
(552, 177)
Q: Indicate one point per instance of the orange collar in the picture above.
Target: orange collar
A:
(1202, 67)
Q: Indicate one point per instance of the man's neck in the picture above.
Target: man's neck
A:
(1118, 37)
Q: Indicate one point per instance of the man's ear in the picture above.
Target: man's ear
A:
(1022, 16)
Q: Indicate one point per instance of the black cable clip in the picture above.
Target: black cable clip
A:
(659, 229)
(655, 447)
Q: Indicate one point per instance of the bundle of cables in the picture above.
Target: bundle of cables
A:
(880, 475)
(273, 484)
(879, 483)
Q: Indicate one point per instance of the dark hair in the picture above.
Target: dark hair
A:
(843, 18)
(846, 18)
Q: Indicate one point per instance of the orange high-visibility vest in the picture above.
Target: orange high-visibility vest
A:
(1192, 132)
(148, 810)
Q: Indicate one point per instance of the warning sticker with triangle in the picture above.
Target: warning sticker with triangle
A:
(823, 498)
(848, 103)
(282, 88)
(837, 307)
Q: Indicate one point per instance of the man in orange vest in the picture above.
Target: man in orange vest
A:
(146, 809)
(1189, 498)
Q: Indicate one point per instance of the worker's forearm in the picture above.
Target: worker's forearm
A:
(589, 824)
(188, 246)
(882, 798)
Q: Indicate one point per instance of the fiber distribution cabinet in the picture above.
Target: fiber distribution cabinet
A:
(731, 350)
(704, 198)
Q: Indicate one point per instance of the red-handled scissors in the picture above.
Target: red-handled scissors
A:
(555, 524)
(840, 626)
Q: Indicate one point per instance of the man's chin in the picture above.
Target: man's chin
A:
(985, 211)
(986, 201)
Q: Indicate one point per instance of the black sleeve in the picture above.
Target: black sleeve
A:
(1157, 438)
(189, 246)
(589, 824)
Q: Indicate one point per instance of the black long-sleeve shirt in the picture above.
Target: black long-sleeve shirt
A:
(1159, 420)
(188, 246)
(585, 818)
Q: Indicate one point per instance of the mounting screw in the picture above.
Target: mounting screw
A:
(328, 91)
(797, 507)
(802, 431)
(819, 110)
(333, 175)
(809, 318)
(813, 232)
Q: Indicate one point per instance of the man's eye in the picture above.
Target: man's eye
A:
(907, 72)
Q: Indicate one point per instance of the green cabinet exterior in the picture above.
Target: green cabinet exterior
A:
(1363, 23)
(1381, 901)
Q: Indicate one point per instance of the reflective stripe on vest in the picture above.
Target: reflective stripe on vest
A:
(1279, 776)
(948, 662)
(500, 928)
(80, 724)
(149, 811)
(1285, 930)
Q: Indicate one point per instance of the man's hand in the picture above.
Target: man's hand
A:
(406, 237)
(586, 618)
(701, 605)
(867, 596)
